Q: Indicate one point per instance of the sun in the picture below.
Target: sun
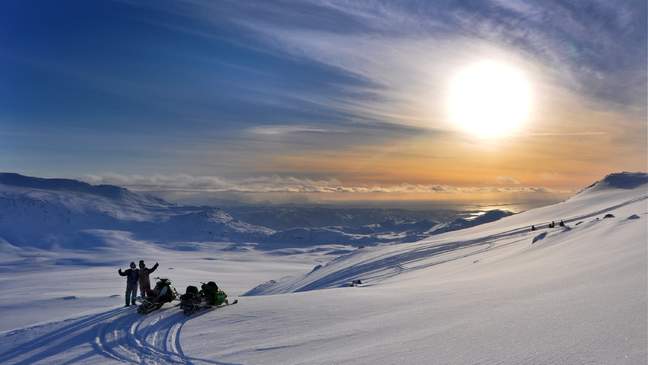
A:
(489, 99)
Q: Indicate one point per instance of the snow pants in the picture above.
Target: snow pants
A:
(145, 290)
(131, 293)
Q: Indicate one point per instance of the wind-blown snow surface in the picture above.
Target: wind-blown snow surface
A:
(495, 293)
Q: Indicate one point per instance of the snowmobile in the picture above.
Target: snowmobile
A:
(191, 301)
(162, 293)
(208, 297)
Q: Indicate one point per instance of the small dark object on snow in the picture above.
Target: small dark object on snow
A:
(533, 228)
(562, 224)
(356, 282)
(609, 215)
(552, 224)
(578, 223)
(634, 216)
(539, 237)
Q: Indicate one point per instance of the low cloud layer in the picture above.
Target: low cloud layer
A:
(281, 184)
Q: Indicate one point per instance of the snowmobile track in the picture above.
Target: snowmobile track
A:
(137, 339)
(118, 335)
(151, 339)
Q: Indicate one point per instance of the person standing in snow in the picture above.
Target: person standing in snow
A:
(144, 281)
(132, 276)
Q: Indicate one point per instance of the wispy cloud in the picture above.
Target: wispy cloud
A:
(404, 52)
(280, 130)
(558, 134)
(507, 180)
(349, 89)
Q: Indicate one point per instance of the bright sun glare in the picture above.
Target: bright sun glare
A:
(489, 99)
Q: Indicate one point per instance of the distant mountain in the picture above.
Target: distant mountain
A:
(620, 180)
(60, 212)
(45, 213)
(71, 186)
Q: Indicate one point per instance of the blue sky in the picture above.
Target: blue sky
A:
(224, 95)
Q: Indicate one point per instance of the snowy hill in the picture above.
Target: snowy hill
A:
(493, 293)
(38, 212)
(373, 265)
(620, 180)
(461, 223)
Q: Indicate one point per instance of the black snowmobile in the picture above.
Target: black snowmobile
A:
(162, 293)
(191, 301)
(208, 297)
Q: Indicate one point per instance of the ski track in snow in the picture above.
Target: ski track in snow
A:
(119, 334)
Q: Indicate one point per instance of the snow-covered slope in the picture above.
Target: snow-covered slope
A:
(373, 265)
(462, 223)
(494, 293)
(45, 213)
(39, 212)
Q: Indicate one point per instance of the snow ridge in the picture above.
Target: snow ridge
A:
(373, 265)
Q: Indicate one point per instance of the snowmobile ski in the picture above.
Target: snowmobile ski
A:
(201, 308)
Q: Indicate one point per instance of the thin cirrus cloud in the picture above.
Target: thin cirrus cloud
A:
(323, 89)
(405, 50)
(558, 134)
(282, 130)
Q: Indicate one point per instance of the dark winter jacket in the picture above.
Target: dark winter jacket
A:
(144, 273)
(131, 274)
